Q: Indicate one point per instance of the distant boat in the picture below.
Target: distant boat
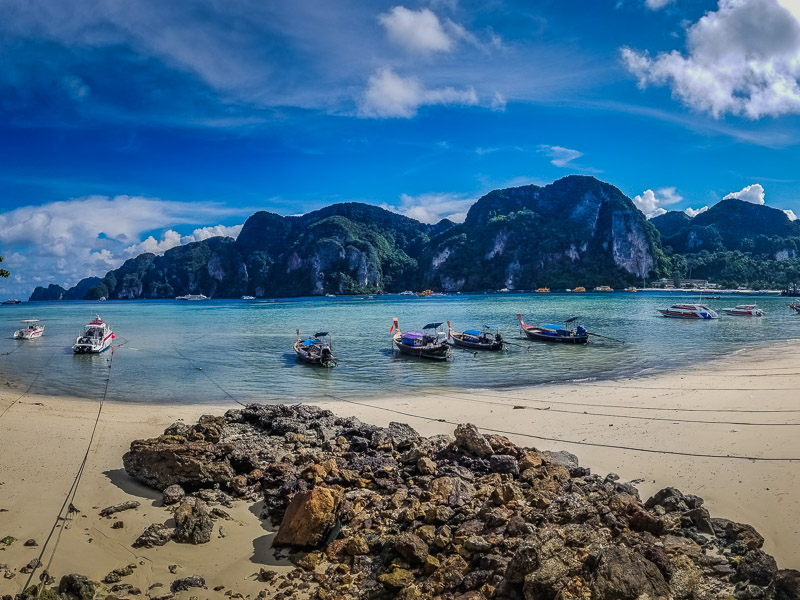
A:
(330, 295)
(102, 299)
(431, 342)
(632, 290)
(603, 288)
(744, 310)
(407, 293)
(791, 290)
(504, 290)
(579, 290)
(689, 311)
(12, 301)
(554, 333)
(424, 293)
(487, 338)
(795, 307)
(192, 297)
(32, 330)
(248, 297)
(316, 350)
(96, 338)
(543, 290)
(711, 297)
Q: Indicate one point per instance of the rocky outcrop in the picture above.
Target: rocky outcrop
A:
(372, 512)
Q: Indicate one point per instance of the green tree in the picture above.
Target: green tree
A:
(3, 272)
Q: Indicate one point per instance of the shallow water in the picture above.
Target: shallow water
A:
(216, 350)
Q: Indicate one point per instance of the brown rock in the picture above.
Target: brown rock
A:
(309, 517)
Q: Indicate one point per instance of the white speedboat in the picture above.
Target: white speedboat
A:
(96, 337)
(32, 330)
(744, 310)
(192, 297)
(12, 301)
(248, 297)
(689, 311)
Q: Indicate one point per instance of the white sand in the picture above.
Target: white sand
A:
(43, 440)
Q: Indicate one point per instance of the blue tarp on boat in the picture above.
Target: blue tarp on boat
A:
(474, 332)
(556, 327)
(308, 342)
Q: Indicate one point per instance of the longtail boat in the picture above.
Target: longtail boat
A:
(554, 333)
(431, 342)
(488, 338)
(315, 350)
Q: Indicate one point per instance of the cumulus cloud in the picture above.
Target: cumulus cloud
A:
(433, 207)
(62, 242)
(652, 203)
(416, 30)
(390, 95)
(560, 156)
(752, 193)
(171, 239)
(790, 214)
(693, 212)
(742, 59)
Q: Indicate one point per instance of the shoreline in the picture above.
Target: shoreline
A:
(44, 439)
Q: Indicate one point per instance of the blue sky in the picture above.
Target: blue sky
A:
(126, 120)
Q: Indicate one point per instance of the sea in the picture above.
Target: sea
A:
(220, 351)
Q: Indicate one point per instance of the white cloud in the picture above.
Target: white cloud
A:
(752, 193)
(693, 212)
(416, 30)
(433, 207)
(742, 59)
(790, 214)
(63, 242)
(656, 4)
(652, 203)
(171, 239)
(561, 157)
(390, 95)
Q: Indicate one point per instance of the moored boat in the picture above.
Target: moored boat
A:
(96, 337)
(315, 350)
(431, 342)
(603, 288)
(424, 293)
(744, 310)
(248, 297)
(543, 290)
(554, 333)
(632, 290)
(487, 338)
(579, 290)
(192, 297)
(688, 311)
(795, 307)
(33, 329)
(12, 301)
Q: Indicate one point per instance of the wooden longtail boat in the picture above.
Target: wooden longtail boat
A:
(554, 333)
(488, 338)
(316, 350)
(431, 342)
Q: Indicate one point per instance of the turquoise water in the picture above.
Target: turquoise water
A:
(245, 348)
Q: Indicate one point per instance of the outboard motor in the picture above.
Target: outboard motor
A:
(580, 331)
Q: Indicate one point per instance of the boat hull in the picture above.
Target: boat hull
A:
(681, 315)
(459, 341)
(738, 313)
(84, 347)
(28, 335)
(439, 351)
(539, 336)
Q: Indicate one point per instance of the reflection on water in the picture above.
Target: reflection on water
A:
(246, 347)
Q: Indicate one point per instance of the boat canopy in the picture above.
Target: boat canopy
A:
(321, 334)
(413, 335)
(308, 342)
(432, 325)
(474, 332)
(490, 326)
(556, 327)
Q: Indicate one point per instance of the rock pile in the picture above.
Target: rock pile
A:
(371, 512)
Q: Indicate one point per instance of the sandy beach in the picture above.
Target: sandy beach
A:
(679, 429)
